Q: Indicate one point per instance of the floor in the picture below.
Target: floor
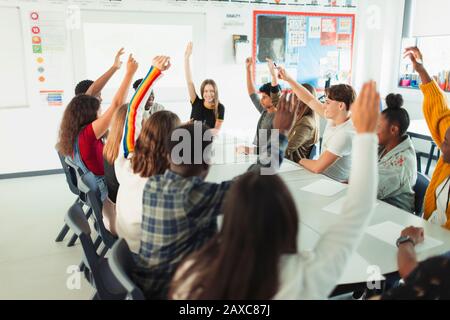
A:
(32, 264)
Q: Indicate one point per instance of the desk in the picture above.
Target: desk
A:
(419, 129)
(315, 221)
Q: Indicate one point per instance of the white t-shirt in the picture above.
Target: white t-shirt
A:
(129, 203)
(439, 216)
(338, 140)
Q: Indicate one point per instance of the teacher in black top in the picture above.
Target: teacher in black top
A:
(208, 109)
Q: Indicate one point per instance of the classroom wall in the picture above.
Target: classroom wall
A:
(28, 135)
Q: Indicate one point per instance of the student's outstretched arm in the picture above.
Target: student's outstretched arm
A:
(275, 92)
(325, 160)
(435, 104)
(99, 84)
(337, 245)
(406, 255)
(133, 120)
(250, 85)
(188, 73)
(101, 125)
(302, 93)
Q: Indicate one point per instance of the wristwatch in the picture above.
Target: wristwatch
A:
(404, 239)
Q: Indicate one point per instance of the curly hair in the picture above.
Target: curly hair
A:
(83, 86)
(81, 111)
(150, 153)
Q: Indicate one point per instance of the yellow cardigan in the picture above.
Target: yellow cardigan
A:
(437, 115)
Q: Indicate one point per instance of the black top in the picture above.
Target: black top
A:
(111, 180)
(207, 116)
(429, 281)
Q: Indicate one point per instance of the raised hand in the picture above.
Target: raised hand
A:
(414, 54)
(272, 68)
(117, 63)
(188, 52)
(283, 75)
(249, 62)
(366, 109)
(132, 65)
(161, 62)
(285, 115)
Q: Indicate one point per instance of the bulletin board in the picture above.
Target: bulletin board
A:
(313, 47)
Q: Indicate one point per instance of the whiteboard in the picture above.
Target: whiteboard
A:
(145, 34)
(12, 60)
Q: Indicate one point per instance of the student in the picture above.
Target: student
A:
(266, 105)
(241, 262)
(150, 106)
(397, 162)
(150, 157)
(305, 133)
(427, 280)
(208, 109)
(180, 209)
(335, 160)
(142, 156)
(110, 154)
(94, 88)
(82, 128)
(437, 115)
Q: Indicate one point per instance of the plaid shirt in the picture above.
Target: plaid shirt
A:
(179, 216)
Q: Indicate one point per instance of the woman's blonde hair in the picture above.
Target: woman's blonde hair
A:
(112, 146)
(216, 94)
(150, 155)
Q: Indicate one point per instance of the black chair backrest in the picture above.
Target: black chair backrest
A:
(88, 185)
(122, 265)
(420, 189)
(77, 172)
(100, 273)
(71, 177)
(78, 223)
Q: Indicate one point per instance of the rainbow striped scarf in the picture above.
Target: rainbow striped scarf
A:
(133, 121)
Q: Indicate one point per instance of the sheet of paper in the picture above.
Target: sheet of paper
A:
(325, 187)
(389, 232)
(288, 167)
(336, 206)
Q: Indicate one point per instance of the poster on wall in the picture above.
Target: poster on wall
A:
(310, 46)
(328, 32)
(48, 46)
(315, 28)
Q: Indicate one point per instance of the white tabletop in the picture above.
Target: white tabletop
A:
(316, 221)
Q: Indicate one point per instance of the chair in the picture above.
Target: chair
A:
(75, 173)
(420, 188)
(88, 185)
(122, 264)
(100, 275)
(71, 181)
(314, 152)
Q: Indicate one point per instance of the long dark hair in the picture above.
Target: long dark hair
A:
(150, 155)
(81, 111)
(242, 261)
